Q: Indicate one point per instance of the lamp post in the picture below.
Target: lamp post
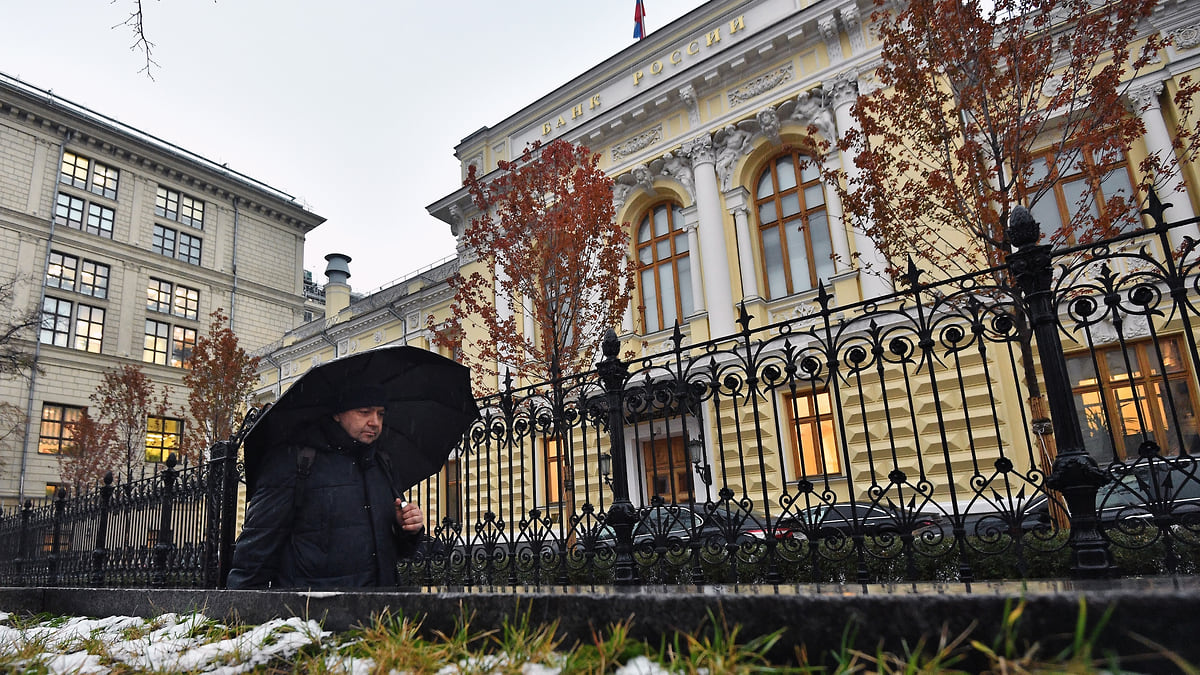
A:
(621, 515)
(695, 448)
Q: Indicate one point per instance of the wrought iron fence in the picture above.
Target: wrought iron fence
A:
(1033, 420)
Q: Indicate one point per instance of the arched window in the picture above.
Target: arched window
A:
(792, 225)
(664, 270)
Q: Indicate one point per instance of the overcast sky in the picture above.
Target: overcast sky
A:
(353, 107)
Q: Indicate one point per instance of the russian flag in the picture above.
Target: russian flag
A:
(639, 22)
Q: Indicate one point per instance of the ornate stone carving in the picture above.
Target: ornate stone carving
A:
(1145, 97)
(700, 149)
(642, 140)
(761, 84)
(675, 167)
(1187, 37)
(850, 18)
(827, 25)
(768, 120)
(624, 185)
(458, 220)
(688, 95)
(811, 107)
(843, 88)
(732, 142)
(377, 337)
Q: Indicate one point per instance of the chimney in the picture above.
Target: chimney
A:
(337, 289)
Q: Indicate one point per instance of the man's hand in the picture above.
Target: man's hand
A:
(409, 516)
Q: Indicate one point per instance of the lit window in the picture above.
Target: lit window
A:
(82, 173)
(183, 345)
(664, 268)
(157, 342)
(55, 432)
(162, 437)
(187, 302)
(93, 279)
(1120, 406)
(89, 329)
(158, 296)
(74, 170)
(793, 228)
(452, 496)
(554, 471)
(61, 271)
(814, 449)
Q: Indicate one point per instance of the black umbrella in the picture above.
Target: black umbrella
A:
(429, 407)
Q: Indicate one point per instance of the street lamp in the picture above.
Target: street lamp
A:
(606, 468)
(695, 448)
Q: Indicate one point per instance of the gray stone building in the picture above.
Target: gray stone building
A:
(126, 243)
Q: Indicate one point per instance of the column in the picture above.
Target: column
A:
(872, 278)
(1158, 142)
(691, 225)
(712, 260)
(737, 200)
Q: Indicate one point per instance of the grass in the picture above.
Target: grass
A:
(395, 643)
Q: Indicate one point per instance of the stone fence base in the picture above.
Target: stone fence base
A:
(816, 618)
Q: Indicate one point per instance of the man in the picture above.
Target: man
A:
(323, 512)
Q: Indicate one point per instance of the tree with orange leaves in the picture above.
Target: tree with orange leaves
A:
(219, 382)
(984, 106)
(126, 400)
(90, 454)
(553, 259)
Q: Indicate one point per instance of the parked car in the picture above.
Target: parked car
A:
(1168, 489)
(842, 520)
(663, 524)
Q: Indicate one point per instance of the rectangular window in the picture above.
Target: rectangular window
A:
(164, 241)
(85, 174)
(554, 471)
(162, 437)
(452, 498)
(183, 344)
(1125, 398)
(89, 329)
(158, 296)
(99, 221)
(104, 181)
(61, 271)
(56, 322)
(1083, 185)
(166, 203)
(179, 207)
(157, 342)
(187, 302)
(65, 272)
(189, 249)
(69, 212)
(93, 279)
(65, 324)
(55, 434)
(74, 170)
(814, 449)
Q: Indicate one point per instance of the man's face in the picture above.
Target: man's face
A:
(363, 424)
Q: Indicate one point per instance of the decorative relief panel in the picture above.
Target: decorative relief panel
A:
(761, 84)
(642, 140)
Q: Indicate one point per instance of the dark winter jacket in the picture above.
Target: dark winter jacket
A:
(338, 531)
